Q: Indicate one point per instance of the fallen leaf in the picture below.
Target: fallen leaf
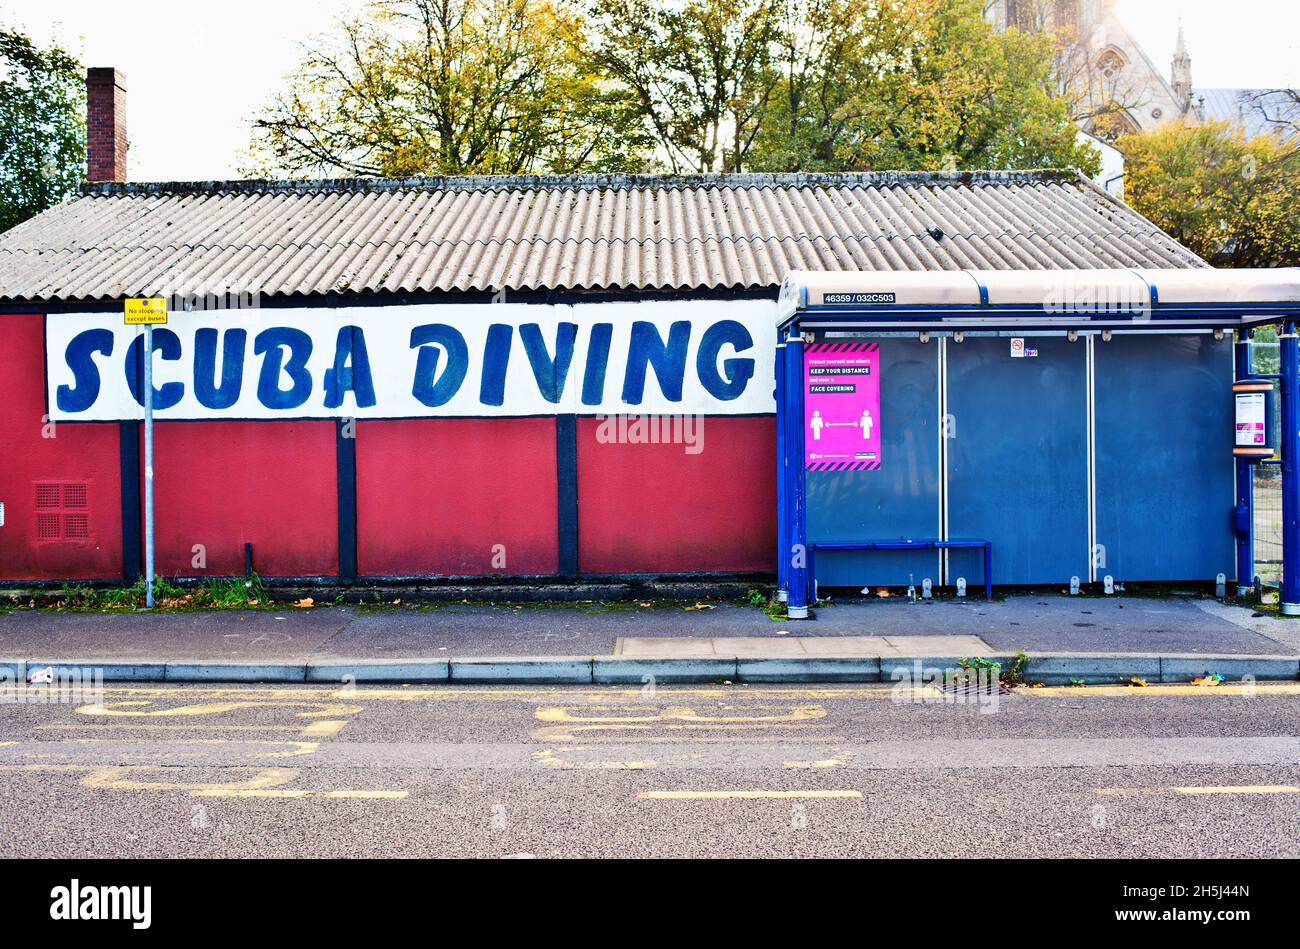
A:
(305, 603)
(1140, 682)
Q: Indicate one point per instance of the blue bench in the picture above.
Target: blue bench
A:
(987, 547)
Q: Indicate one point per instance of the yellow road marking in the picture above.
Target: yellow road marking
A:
(1209, 789)
(133, 709)
(549, 758)
(1155, 691)
(47, 767)
(118, 779)
(311, 731)
(679, 713)
(301, 793)
(267, 782)
(294, 748)
(150, 726)
(834, 761)
(565, 733)
(744, 795)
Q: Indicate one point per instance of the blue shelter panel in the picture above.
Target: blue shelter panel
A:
(900, 500)
(1165, 478)
(1018, 458)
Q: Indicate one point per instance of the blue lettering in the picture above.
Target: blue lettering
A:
(647, 348)
(551, 374)
(428, 388)
(593, 381)
(496, 358)
(738, 372)
(82, 394)
(166, 344)
(273, 342)
(351, 370)
(222, 393)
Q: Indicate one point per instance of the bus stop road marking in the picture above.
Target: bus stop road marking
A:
(134, 709)
(266, 783)
(120, 779)
(743, 795)
(326, 728)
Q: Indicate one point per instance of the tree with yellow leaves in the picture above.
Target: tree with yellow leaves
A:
(455, 87)
(1230, 198)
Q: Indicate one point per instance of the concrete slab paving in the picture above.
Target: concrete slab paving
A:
(939, 646)
(832, 646)
(215, 635)
(1038, 623)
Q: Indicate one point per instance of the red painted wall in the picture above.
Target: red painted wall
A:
(221, 484)
(655, 508)
(81, 453)
(435, 495)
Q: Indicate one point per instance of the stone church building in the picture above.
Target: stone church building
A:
(1116, 88)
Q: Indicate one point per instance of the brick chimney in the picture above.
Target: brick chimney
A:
(105, 124)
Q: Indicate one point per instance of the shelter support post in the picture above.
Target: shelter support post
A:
(796, 552)
(782, 519)
(1245, 485)
(1290, 370)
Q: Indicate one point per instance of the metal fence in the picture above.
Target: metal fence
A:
(1268, 523)
(1268, 477)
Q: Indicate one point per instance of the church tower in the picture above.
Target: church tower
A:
(1181, 74)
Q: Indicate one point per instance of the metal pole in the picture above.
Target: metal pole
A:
(782, 462)
(797, 533)
(1290, 371)
(148, 465)
(1245, 485)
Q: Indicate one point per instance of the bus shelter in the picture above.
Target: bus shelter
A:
(1025, 428)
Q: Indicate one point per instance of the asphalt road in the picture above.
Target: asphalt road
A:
(679, 771)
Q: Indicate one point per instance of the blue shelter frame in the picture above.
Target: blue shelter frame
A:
(1103, 304)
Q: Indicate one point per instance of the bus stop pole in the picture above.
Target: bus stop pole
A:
(782, 528)
(1290, 370)
(1245, 484)
(797, 548)
(148, 465)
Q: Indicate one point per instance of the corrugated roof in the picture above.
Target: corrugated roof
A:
(563, 233)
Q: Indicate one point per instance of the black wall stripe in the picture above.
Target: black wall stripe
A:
(128, 453)
(345, 444)
(566, 474)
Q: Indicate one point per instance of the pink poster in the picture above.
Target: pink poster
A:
(842, 406)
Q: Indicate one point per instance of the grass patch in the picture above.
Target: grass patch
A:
(221, 594)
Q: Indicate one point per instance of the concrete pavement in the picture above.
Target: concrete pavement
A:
(198, 771)
(1096, 639)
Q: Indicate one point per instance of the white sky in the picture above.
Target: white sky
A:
(197, 72)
